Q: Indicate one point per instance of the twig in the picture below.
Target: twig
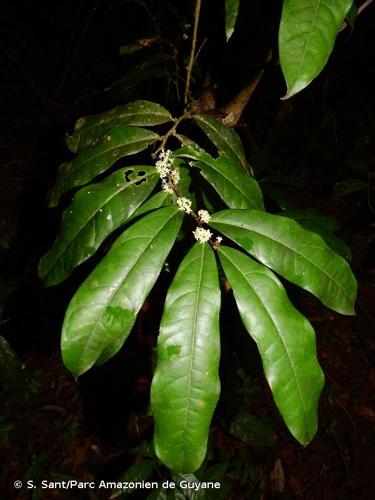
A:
(193, 47)
(171, 132)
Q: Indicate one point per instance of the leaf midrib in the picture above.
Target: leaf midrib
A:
(276, 329)
(110, 299)
(114, 122)
(188, 399)
(100, 207)
(106, 151)
(224, 139)
(295, 251)
(228, 179)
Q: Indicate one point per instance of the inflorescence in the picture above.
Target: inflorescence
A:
(170, 178)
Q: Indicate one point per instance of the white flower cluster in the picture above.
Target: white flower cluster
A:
(202, 235)
(204, 216)
(184, 204)
(169, 177)
(164, 163)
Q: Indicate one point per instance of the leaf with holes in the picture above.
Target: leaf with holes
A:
(96, 159)
(106, 305)
(285, 339)
(307, 35)
(186, 385)
(237, 189)
(231, 13)
(95, 212)
(299, 255)
(225, 139)
(140, 113)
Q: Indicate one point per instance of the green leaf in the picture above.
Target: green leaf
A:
(231, 13)
(237, 189)
(140, 113)
(106, 305)
(253, 430)
(285, 339)
(158, 200)
(95, 159)
(306, 38)
(136, 473)
(225, 139)
(95, 212)
(299, 255)
(186, 385)
(322, 224)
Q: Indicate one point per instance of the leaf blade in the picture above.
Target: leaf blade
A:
(297, 254)
(186, 384)
(225, 139)
(140, 113)
(306, 38)
(237, 189)
(323, 225)
(96, 159)
(106, 305)
(285, 339)
(231, 13)
(94, 213)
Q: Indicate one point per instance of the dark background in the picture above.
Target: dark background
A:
(56, 59)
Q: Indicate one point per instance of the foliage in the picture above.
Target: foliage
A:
(238, 239)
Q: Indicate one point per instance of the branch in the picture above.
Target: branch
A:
(193, 47)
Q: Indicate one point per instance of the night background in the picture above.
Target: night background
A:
(63, 60)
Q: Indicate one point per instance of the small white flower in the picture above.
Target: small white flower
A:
(219, 239)
(202, 235)
(165, 156)
(184, 204)
(204, 216)
(166, 187)
(164, 163)
(162, 170)
(175, 175)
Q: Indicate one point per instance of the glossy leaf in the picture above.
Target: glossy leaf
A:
(225, 139)
(158, 200)
(140, 113)
(322, 224)
(285, 339)
(299, 255)
(306, 38)
(237, 189)
(95, 159)
(231, 13)
(106, 305)
(186, 385)
(95, 212)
